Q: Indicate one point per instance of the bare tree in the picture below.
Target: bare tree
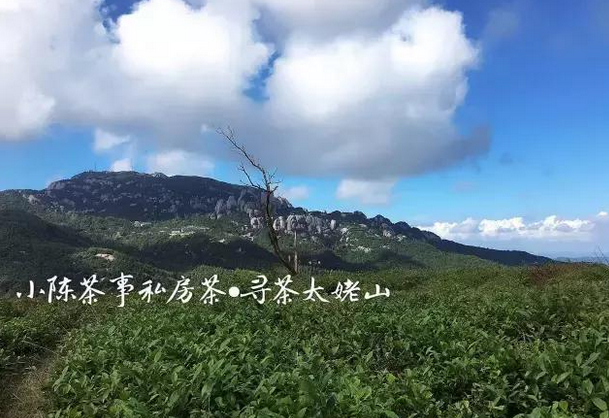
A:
(266, 183)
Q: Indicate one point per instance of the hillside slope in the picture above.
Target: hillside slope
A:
(204, 221)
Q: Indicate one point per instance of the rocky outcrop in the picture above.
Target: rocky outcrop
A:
(148, 197)
(257, 223)
(304, 223)
(143, 197)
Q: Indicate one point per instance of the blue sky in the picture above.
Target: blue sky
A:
(539, 85)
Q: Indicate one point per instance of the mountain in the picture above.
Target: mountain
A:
(34, 249)
(31, 247)
(138, 196)
(178, 223)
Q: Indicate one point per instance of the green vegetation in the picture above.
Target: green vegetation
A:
(38, 247)
(458, 337)
(31, 248)
(29, 329)
(485, 342)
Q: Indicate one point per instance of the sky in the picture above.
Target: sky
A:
(484, 122)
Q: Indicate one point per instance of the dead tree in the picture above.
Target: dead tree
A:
(267, 184)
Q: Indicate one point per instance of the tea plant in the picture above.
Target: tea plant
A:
(461, 343)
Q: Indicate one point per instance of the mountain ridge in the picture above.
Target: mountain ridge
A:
(143, 198)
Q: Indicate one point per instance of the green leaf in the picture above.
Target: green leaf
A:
(562, 377)
(588, 386)
(600, 404)
(593, 357)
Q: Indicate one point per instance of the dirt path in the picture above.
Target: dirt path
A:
(24, 396)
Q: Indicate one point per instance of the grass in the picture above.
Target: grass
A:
(28, 399)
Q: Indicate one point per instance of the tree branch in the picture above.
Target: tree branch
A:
(268, 186)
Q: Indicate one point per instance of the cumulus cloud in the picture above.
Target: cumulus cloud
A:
(367, 192)
(174, 162)
(549, 228)
(294, 192)
(165, 68)
(321, 19)
(25, 109)
(105, 141)
(28, 114)
(375, 106)
(166, 43)
(124, 164)
(358, 89)
(549, 233)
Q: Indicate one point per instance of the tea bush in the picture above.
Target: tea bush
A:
(31, 329)
(458, 343)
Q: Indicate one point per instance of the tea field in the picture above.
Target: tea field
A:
(487, 342)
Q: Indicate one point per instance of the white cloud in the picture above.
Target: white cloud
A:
(27, 115)
(122, 165)
(360, 89)
(25, 108)
(294, 192)
(367, 192)
(453, 230)
(551, 227)
(104, 141)
(374, 106)
(174, 162)
(207, 51)
(321, 19)
(165, 68)
(551, 234)
(9, 5)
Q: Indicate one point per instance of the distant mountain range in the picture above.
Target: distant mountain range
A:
(118, 207)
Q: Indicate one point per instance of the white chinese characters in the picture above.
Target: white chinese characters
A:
(285, 290)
